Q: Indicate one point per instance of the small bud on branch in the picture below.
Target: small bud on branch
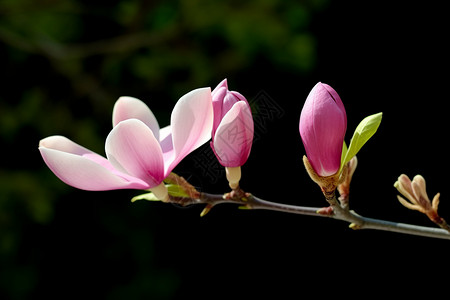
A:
(417, 198)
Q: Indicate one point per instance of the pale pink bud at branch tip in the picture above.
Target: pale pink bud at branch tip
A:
(323, 122)
(232, 132)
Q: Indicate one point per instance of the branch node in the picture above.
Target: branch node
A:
(325, 211)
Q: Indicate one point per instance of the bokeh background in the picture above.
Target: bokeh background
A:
(65, 63)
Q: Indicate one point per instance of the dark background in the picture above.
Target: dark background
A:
(65, 63)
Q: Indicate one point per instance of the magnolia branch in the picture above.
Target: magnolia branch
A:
(132, 146)
(334, 211)
(338, 207)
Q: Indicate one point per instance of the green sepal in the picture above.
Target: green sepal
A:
(147, 196)
(365, 130)
(172, 179)
(174, 190)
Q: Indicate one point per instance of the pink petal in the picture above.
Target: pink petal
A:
(233, 140)
(76, 169)
(223, 101)
(132, 148)
(218, 95)
(191, 122)
(133, 108)
(322, 127)
(63, 144)
(165, 140)
(336, 98)
(222, 84)
(229, 100)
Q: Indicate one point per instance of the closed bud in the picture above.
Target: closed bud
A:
(323, 122)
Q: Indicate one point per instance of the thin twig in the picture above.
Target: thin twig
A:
(248, 201)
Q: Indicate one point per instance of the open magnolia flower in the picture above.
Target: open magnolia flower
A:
(139, 154)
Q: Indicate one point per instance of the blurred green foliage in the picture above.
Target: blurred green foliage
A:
(64, 63)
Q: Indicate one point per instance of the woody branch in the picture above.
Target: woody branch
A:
(357, 222)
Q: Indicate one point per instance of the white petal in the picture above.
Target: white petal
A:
(133, 108)
(191, 122)
(61, 143)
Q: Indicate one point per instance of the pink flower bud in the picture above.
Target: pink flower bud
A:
(232, 133)
(323, 123)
